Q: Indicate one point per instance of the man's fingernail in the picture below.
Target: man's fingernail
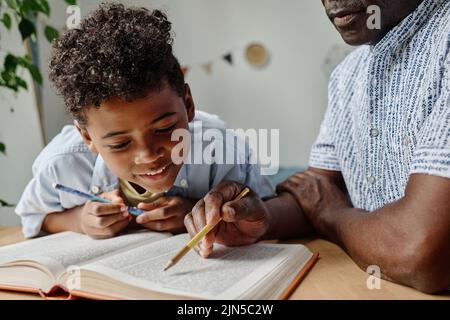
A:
(123, 208)
(231, 212)
(126, 214)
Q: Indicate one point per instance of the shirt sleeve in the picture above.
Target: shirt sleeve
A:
(38, 199)
(323, 152)
(432, 154)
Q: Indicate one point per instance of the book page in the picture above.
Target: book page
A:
(59, 251)
(223, 275)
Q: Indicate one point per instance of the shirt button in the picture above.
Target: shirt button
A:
(374, 133)
(372, 179)
(184, 183)
(95, 190)
(406, 141)
(374, 82)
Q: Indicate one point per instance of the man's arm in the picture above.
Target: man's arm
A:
(409, 239)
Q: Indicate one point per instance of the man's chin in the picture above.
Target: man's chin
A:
(358, 38)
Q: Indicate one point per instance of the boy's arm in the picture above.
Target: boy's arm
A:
(68, 220)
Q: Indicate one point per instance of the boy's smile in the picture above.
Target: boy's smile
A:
(134, 138)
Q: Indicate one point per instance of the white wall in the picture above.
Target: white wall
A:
(290, 94)
(19, 130)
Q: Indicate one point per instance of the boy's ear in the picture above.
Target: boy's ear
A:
(189, 103)
(86, 137)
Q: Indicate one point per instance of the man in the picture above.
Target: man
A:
(384, 143)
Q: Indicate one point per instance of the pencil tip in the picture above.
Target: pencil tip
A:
(170, 264)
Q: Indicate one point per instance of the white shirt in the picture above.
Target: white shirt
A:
(389, 110)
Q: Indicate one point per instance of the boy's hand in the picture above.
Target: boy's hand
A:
(104, 220)
(165, 214)
(244, 221)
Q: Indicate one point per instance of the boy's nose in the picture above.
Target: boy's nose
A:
(148, 155)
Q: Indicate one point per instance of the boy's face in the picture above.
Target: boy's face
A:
(134, 138)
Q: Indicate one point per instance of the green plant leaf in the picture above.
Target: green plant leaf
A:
(2, 148)
(6, 75)
(71, 2)
(5, 204)
(35, 73)
(26, 28)
(12, 4)
(10, 63)
(21, 83)
(12, 81)
(7, 21)
(44, 7)
(51, 33)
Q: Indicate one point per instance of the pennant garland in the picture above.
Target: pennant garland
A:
(207, 67)
(255, 53)
(228, 58)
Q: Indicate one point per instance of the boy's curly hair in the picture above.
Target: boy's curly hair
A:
(116, 52)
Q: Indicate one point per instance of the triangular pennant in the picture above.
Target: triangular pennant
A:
(185, 70)
(207, 67)
(228, 58)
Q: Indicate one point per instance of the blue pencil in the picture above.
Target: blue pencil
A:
(132, 210)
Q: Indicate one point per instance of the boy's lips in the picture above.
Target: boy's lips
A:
(155, 174)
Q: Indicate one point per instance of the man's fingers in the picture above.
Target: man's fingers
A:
(244, 209)
(198, 215)
(199, 222)
(213, 204)
(190, 227)
(228, 190)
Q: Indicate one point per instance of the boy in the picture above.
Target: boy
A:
(125, 89)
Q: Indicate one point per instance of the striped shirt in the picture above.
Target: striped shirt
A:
(389, 110)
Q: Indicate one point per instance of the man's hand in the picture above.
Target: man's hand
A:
(165, 214)
(103, 220)
(319, 197)
(244, 221)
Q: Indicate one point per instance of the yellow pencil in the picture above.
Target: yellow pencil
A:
(193, 242)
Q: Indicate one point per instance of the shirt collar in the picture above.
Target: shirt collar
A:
(408, 27)
(102, 179)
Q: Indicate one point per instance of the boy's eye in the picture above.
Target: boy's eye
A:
(119, 146)
(168, 129)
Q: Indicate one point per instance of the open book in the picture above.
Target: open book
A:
(131, 267)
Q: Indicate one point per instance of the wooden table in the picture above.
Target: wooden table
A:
(335, 276)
